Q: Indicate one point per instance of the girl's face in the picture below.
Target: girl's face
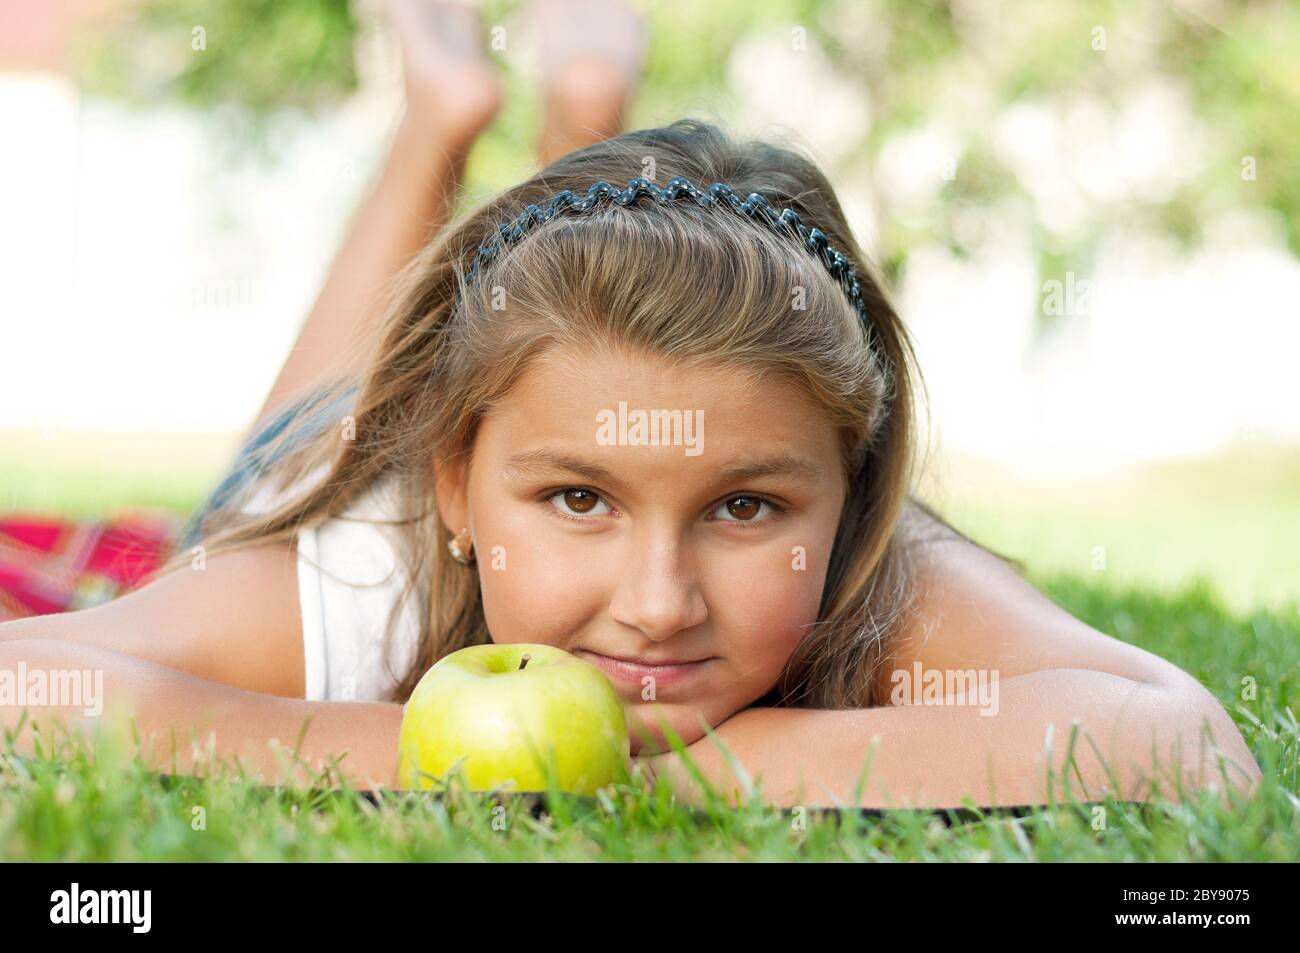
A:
(701, 559)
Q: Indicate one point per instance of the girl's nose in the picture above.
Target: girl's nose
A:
(657, 591)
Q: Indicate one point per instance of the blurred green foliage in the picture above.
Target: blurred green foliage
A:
(1235, 61)
(261, 54)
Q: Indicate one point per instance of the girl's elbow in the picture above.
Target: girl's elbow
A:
(1208, 746)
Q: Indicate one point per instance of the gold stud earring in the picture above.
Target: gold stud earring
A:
(461, 547)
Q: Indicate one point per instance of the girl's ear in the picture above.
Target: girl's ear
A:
(453, 499)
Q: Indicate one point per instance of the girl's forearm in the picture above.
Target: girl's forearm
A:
(414, 195)
(935, 756)
(180, 717)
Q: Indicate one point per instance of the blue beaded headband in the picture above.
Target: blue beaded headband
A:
(756, 207)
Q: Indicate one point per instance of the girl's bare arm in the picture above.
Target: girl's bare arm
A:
(237, 621)
(935, 756)
(196, 651)
(179, 716)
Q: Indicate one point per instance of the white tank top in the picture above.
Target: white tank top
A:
(349, 579)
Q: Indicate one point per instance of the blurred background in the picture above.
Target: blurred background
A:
(1089, 213)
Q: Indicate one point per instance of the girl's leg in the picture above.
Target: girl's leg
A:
(592, 53)
(451, 96)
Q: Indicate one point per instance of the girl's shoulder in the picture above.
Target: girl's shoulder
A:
(974, 610)
(351, 579)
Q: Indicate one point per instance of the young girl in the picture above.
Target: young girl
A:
(660, 427)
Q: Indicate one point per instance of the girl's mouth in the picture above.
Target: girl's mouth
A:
(634, 675)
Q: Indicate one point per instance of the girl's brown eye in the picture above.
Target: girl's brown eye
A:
(576, 503)
(580, 501)
(744, 507)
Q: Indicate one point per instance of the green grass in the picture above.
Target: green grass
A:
(85, 807)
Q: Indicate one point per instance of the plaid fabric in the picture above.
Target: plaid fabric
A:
(51, 564)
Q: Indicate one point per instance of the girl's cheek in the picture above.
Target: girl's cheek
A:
(537, 588)
(764, 608)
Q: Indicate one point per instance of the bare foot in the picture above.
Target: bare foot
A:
(450, 84)
(592, 54)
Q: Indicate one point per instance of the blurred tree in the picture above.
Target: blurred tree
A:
(260, 54)
(1077, 76)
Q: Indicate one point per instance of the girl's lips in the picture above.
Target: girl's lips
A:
(631, 674)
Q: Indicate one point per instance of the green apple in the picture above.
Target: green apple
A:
(505, 710)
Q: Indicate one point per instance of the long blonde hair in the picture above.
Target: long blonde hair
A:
(689, 283)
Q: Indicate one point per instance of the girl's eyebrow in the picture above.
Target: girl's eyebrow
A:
(547, 458)
(781, 464)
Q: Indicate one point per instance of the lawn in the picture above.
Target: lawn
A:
(1248, 654)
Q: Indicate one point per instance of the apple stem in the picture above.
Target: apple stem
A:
(524, 661)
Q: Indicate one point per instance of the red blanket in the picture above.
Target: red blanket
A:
(51, 564)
